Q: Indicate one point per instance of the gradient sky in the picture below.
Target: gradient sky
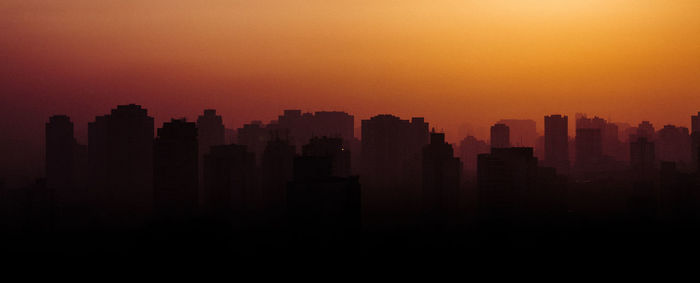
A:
(454, 62)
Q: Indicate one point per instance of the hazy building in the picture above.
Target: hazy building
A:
(522, 132)
(589, 148)
(556, 142)
(441, 181)
(255, 136)
(673, 144)
(176, 173)
(500, 136)
(333, 148)
(642, 156)
(469, 148)
(324, 204)
(210, 132)
(60, 152)
(276, 171)
(230, 182)
(120, 147)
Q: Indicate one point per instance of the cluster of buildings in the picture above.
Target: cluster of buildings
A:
(308, 173)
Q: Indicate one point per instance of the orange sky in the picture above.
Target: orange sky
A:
(453, 62)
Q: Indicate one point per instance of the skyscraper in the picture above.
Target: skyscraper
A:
(230, 182)
(120, 147)
(556, 142)
(500, 136)
(589, 148)
(176, 174)
(642, 156)
(441, 180)
(522, 132)
(210, 132)
(60, 145)
(673, 144)
(469, 149)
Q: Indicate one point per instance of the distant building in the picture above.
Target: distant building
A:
(469, 149)
(323, 201)
(391, 162)
(255, 136)
(609, 132)
(589, 148)
(230, 182)
(210, 132)
(60, 152)
(120, 147)
(673, 144)
(556, 142)
(500, 136)
(176, 173)
(441, 181)
(277, 169)
(642, 156)
(522, 132)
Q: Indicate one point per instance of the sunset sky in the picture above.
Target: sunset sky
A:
(453, 62)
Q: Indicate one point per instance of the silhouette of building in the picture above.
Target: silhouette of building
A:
(642, 156)
(500, 136)
(391, 153)
(645, 130)
(210, 132)
(556, 139)
(66, 160)
(276, 171)
(176, 173)
(255, 136)
(610, 141)
(589, 149)
(505, 177)
(304, 126)
(120, 147)
(441, 181)
(230, 182)
(333, 148)
(469, 149)
(674, 145)
(695, 136)
(522, 133)
(324, 203)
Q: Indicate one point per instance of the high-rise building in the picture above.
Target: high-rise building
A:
(556, 142)
(642, 156)
(589, 148)
(175, 167)
(695, 123)
(469, 149)
(695, 136)
(441, 180)
(673, 144)
(522, 132)
(210, 132)
(333, 148)
(120, 148)
(500, 136)
(277, 169)
(391, 166)
(324, 203)
(230, 182)
(255, 136)
(60, 155)
(609, 133)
